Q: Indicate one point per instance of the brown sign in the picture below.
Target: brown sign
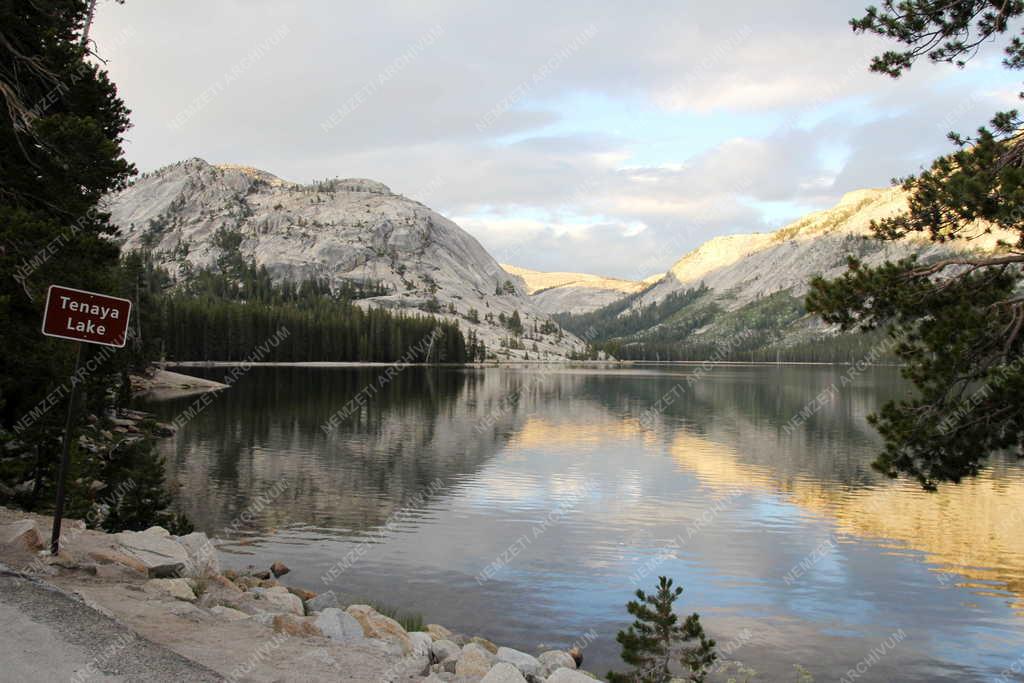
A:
(86, 316)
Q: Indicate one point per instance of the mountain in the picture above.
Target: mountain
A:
(573, 292)
(342, 231)
(754, 284)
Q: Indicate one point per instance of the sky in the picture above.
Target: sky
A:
(591, 136)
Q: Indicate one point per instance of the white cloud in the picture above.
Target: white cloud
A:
(575, 199)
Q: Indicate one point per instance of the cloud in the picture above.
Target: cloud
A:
(463, 105)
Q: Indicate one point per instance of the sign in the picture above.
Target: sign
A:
(86, 316)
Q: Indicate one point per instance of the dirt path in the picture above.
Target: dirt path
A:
(47, 635)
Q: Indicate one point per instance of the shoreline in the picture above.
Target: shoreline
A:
(512, 363)
(171, 591)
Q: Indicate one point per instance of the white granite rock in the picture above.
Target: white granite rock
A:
(503, 672)
(528, 664)
(339, 626)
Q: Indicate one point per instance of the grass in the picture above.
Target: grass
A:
(410, 622)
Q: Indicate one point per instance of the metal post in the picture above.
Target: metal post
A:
(65, 457)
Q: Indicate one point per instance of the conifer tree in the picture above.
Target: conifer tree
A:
(957, 322)
(656, 640)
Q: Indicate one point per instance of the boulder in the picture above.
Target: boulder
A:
(157, 531)
(339, 626)
(279, 568)
(301, 593)
(569, 676)
(528, 664)
(376, 625)
(25, 534)
(577, 654)
(283, 601)
(322, 602)
(112, 557)
(503, 672)
(117, 572)
(438, 632)
(487, 645)
(228, 613)
(474, 661)
(201, 554)
(293, 625)
(441, 650)
(219, 591)
(160, 554)
(421, 642)
(553, 660)
(247, 582)
(175, 588)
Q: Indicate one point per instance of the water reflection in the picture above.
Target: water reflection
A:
(633, 490)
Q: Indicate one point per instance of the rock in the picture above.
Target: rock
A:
(24, 534)
(201, 554)
(270, 583)
(161, 555)
(339, 626)
(577, 654)
(117, 572)
(441, 650)
(503, 672)
(322, 602)
(569, 676)
(376, 625)
(163, 429)
(247, 582)
(438, 632)
(220, 581)
(412, 666)
(474, 660)
(230, 575)
(111, 557)
(488, 645)
(448, 665)
(283, 601)
(157, 531)
(175, 588)
(528, 664)
(217, 590)
(421, 642)
(262, 575)
(295, 626)
(228, 613)
(555, 659)
(6, 491)
(301, 594)
(279, 568)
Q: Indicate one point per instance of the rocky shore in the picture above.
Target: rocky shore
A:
(167, 586)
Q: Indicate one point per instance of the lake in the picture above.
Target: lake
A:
(528, 504)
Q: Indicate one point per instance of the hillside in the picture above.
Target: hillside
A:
(572, 292)
(348, 231)
(752, 285)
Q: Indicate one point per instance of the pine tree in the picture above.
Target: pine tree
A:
(956, 323)
(655, 639)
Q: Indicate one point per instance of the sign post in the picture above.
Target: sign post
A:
(84, 317)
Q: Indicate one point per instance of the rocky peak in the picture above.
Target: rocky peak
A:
(351, 229)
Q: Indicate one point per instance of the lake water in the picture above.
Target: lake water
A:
(528, 504)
